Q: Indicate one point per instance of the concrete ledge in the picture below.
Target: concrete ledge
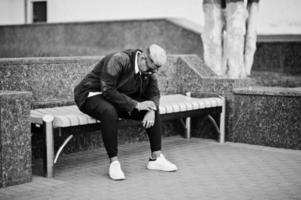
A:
(48, 60)
(269, 91)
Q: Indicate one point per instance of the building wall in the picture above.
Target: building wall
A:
(91, 10)
(12, 12)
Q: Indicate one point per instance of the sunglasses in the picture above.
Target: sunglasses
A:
(152, 67)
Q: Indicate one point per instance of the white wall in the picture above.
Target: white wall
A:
(90, 10)
(280, 16)
(12, 12)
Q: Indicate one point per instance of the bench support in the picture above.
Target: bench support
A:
(222, 121)
(48, 130)
(220, 129)
(188, 127)
(62, 147)
(188, 121)
(50, 158)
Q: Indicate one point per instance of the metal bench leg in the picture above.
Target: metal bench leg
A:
(188, 127)
(221, 128)
(48, 130)
(215, 125)
(188, 121)
(222, 121)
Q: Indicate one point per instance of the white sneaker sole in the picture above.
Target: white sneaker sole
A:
(117, 179)
(163, 170)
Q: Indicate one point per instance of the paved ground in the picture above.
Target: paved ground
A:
(207, 170)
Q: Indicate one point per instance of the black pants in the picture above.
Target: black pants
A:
(99, 108)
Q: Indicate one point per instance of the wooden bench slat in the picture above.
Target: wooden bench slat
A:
(66, 116)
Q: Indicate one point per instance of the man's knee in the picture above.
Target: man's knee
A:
(109, 113)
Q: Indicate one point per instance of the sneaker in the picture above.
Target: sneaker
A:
(115, 171)
(161, 164)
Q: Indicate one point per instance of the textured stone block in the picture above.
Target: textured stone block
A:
(51, 80)
(15, 138)
(268, 116)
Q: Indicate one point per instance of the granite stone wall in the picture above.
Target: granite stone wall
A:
(268, 116)
(51, 80)
(15, 138)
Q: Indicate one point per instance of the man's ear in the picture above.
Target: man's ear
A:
(141, 57)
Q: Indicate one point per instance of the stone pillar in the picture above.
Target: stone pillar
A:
(15, 138)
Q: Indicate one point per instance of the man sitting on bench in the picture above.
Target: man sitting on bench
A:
(123, 85)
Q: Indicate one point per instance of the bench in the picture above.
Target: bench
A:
(175, 106)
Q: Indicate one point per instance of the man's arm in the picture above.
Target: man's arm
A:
(153, 92)
(110, 76)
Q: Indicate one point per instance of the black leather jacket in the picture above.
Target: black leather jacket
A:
(114, 76)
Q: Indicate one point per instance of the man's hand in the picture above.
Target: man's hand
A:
(146, 105)
(149, 119)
